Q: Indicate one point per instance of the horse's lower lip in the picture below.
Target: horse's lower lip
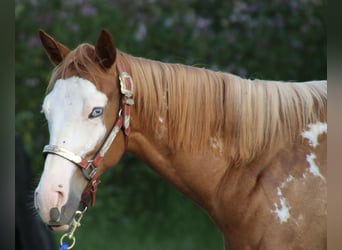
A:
(60, 228)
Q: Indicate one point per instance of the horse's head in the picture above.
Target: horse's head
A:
(85, 114)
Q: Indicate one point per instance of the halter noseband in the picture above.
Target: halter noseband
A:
(89, 167)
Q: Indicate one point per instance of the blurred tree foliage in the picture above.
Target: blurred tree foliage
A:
(279, 39)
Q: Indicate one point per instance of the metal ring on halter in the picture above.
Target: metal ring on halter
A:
(89, 175)
(70, 238)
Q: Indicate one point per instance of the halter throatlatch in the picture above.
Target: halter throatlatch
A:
(89, 167)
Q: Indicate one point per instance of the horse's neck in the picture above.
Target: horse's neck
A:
(201, 176)
(197, 174)
(192, 173)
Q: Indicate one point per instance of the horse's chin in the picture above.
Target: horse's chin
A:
(60, 228)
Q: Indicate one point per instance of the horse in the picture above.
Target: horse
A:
(251, 153)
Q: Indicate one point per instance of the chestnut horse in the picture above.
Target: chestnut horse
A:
(252, 153)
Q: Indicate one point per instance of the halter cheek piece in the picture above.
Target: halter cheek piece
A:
(89, 167)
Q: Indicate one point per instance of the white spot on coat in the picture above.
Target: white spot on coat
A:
(282, 210)
(313, 166)
(288, 179)
(314, 131)
(216, 144)
(161, 131)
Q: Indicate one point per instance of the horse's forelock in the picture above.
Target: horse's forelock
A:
(80, 62)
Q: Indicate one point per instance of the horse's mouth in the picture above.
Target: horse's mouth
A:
(59, 228)
(62, 224)
(60, 220)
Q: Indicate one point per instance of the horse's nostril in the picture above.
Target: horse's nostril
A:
(54, 214)
(60, 198)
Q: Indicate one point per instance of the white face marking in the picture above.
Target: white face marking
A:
(161, 120)
(314, 131)
(313, 166)
(67, 108)
(283, 210)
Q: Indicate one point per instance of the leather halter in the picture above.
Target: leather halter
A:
(89, 167)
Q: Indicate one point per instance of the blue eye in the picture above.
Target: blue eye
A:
(96, 112)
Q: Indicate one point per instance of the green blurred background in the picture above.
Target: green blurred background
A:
(137, 209)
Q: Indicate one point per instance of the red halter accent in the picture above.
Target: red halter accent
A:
(89, 167)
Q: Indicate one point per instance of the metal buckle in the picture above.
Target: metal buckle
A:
(128, 101)
(124, 90)
(89, 175)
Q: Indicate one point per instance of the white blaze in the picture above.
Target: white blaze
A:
(67, 108)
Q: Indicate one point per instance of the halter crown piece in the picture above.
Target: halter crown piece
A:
(89, 167)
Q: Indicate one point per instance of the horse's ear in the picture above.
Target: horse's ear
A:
(105, 50)
(55, 50)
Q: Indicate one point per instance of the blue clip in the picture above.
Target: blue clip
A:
(64, 246)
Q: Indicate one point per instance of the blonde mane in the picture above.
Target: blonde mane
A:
(199, 106)
(196, 106)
